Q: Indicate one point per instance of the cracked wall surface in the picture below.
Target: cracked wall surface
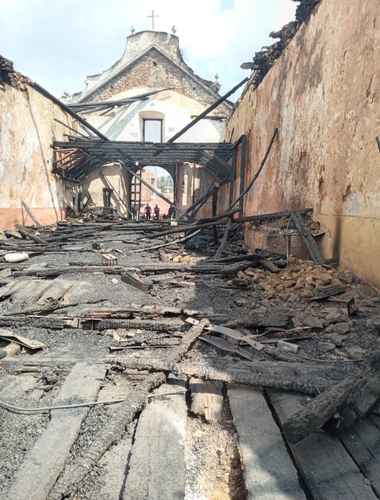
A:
(323, 94)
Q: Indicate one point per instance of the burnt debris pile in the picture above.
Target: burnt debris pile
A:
(265, 58)
(9, 76)
(304, 9)
(6, 69)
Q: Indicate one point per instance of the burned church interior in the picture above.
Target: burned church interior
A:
(189, 274)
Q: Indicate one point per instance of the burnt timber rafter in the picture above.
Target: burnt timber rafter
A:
(214, 156)
(97, 105)
(207, 111)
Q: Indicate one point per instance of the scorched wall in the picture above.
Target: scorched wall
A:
(323, 95)
(27, 131)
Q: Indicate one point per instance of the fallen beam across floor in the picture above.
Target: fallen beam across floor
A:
(305, 378)
(344, 403)
(325, 466)
(69, 482)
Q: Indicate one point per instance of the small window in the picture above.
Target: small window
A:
(152, 130)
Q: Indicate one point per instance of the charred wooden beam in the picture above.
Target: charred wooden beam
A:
(77, 132)
(120, 102)
(207, 111)
(65, 108)
(344, 403)
(262, 165)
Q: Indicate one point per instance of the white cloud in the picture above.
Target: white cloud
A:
(59, 43)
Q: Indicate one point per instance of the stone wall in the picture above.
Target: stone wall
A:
(141, 41)
(27, 131)
(156, 71)
(323, 94)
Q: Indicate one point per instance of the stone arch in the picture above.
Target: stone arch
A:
(161, 179)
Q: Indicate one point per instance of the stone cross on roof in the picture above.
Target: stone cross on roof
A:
(153, 16)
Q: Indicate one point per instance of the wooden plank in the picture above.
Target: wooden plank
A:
(29, 235)
(260, 218)
(225, 346)
(308, 238)
(328, 292)
(268, 469)
(363, 444)
(46, 460)
(157, 465)
(311, 417)
(122, 415)
(327, 469)
(114, 464)
(236, 335)
(258, 172)
(301, 377)
(32, 345)
(65, 108)
(27, 210)
(188, 340)
(133, 280)
(207, 399)
(168, 243)
(224, 240)
(195, 207)
(339, 406)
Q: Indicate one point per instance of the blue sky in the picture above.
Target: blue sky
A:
(58, 43)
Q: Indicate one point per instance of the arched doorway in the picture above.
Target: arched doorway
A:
(141, 196)
(107, 187)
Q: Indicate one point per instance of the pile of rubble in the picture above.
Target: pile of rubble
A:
(300, 278)
(11, 77)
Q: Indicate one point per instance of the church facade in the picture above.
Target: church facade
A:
(148, 95)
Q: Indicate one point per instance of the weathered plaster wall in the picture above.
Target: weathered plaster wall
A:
(27, 130)
(323, 94)
(111, 177)
(175, 109)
